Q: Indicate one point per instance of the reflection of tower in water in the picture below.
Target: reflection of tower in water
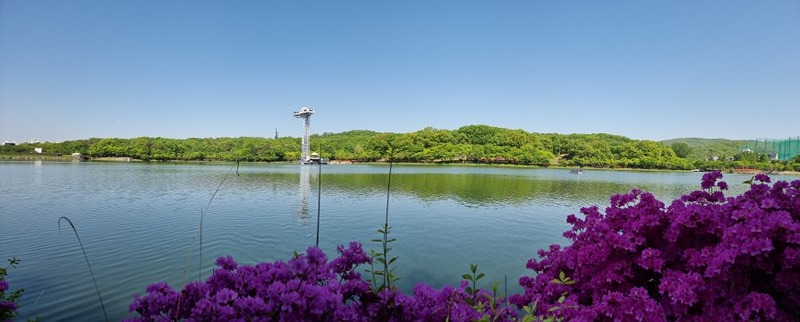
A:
(303, 213)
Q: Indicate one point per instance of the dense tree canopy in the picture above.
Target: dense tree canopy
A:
(682, 150)
(467, 144)
(702, 149)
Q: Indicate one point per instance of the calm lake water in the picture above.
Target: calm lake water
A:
(139, 222)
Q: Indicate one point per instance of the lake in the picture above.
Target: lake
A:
(139, 222)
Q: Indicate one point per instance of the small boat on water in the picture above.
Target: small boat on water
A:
(576, 171)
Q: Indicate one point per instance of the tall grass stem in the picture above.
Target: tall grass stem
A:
(202, 216)
(505, 286)
(87, 261)
(386, 280)
(388, 191)
(319, 199)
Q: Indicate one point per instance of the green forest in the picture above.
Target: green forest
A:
(468, 144)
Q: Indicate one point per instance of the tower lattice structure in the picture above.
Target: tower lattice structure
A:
(305, 114)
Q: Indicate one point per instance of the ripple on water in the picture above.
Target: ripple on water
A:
(140, 222)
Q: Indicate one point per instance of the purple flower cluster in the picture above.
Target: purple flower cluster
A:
(705, 257)
(309, 288)
(8, 299)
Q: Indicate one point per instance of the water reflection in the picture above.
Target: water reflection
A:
(303, 214)
(136, 218)
(37, 179)
(480, 187)
(476, 190)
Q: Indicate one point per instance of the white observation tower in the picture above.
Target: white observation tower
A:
(305, 114)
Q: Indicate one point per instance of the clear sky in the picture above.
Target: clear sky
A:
(643, 69)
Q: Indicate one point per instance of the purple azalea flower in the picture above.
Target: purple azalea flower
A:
(704, 257)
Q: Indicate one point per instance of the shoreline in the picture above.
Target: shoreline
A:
(68, 158)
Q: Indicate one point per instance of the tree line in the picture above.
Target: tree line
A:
(468, 144)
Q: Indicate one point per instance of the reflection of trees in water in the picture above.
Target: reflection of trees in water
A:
(303, 214)
(486, 189)
(469, 189)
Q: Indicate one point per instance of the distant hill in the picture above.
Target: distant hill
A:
(703, 148)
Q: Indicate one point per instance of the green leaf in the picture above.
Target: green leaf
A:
(528, 318)
(555, 281)
(561, 275)
(481, 275)
(466, 277)
(392, 260)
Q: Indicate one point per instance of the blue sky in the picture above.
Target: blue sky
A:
(643, 69)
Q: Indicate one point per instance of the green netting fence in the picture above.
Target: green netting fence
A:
(776, 149)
